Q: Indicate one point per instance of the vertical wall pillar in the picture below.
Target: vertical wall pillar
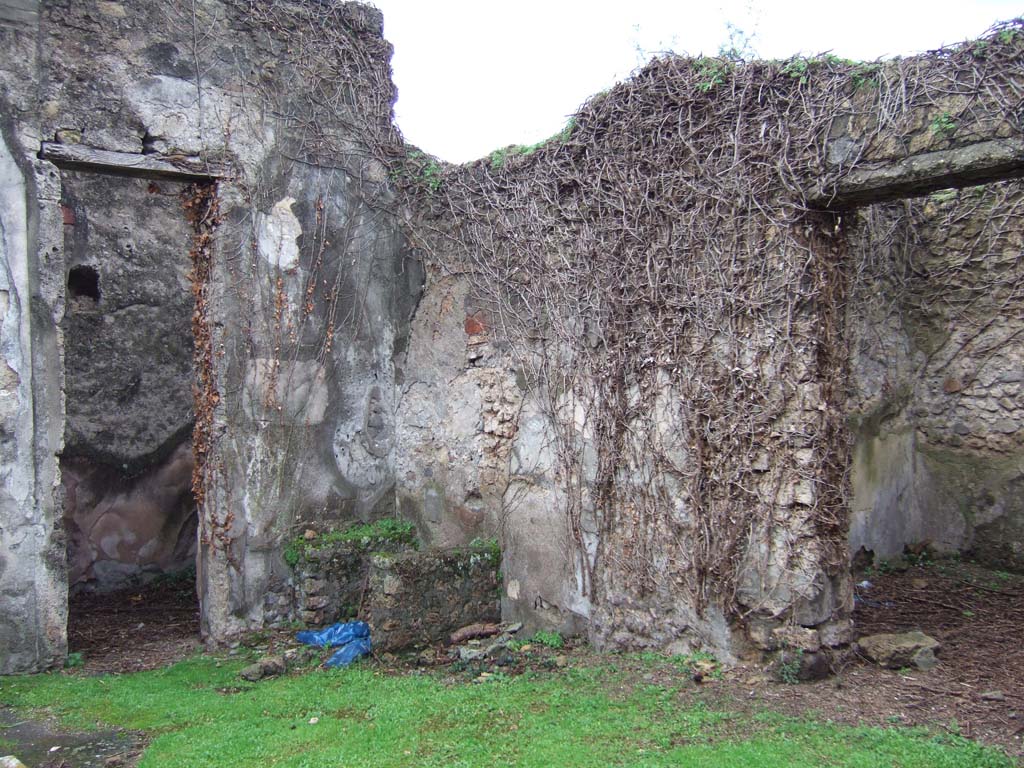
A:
(33, 583)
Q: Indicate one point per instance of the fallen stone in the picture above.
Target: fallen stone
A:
(814, 666)
(496, 649)
(511, 629)
(993, 696)
(896, 651)
(300, 656)
(473, 631)
(925, 659)
(10, 761)
(470, 654)
(266, 667)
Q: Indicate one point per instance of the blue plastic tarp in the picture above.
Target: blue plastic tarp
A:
(351, 638)
(349, 652)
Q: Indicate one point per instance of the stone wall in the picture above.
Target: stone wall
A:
(469, 415)
(288, 264)
(409, 598)
(937, 335)
(475, 456)
(33, 577)
(420, 598)
(332, 578)
(669, 347)
(457, 414)
(329, 387)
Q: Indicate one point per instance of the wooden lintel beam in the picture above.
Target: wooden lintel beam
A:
(980, 163)
(170, 168)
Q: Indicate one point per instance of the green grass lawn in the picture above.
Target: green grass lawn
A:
(199, 713)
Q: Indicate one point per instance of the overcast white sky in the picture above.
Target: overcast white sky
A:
(474, 75)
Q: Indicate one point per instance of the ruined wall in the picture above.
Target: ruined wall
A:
(937, 334)
(32, 565)
(475, 455)
(293, 260)
(419, 598)
(457, 415)
(629, 362)
(657, 299)
(671, 462)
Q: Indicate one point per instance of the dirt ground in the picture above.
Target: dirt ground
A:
(43, 743)
(977, 689)
(133, 630)
(978, 616)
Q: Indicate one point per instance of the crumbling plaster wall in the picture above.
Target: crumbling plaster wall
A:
(304, 283)
(317, 403)
(475, 455)
(469, 413)
(937, 343)
(901, 128)
(32, 566)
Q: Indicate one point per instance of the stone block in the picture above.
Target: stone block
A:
(316, 602)
(761, 630)
(798, 638)
(313, 586)
(895, 651)
(834, 634)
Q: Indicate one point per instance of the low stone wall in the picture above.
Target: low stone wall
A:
(331, 580)
(420, 598)
(409, 598)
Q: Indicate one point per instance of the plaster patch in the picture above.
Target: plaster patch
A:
(295, 390)
(278, 234)
(364, 471)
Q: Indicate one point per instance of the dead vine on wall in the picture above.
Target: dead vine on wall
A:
(680, 308)
(664, 287)
(946, 272)
(202, 213)
(315, 93)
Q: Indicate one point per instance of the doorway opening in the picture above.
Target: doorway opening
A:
(126, 467)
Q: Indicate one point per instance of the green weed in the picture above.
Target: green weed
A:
(420, 168)
(797, 68)
(76, 659)
(488, 546)
(864, 75)
(943, 125)
(787, 667)
(547, 638)
(1007, 36)
(498, 157)
(712, 72)
(388, 530)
